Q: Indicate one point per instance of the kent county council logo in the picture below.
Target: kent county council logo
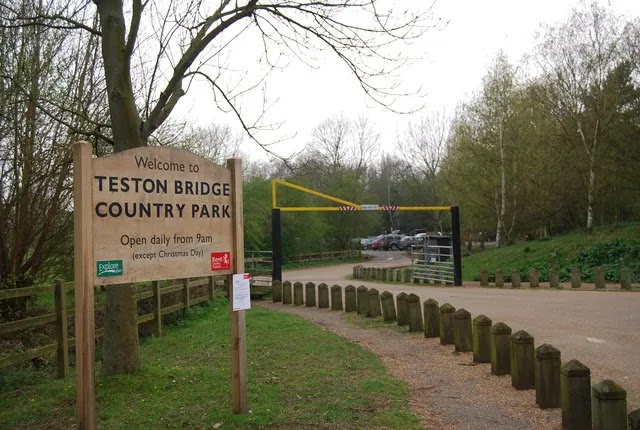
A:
(108, 268)
(220, 260)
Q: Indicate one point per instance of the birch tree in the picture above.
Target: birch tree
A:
(576, 59)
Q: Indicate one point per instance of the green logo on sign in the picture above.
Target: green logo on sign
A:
(110, 268)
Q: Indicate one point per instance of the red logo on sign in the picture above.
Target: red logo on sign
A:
(220, 260)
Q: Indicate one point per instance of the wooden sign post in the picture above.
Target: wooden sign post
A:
(148, 214)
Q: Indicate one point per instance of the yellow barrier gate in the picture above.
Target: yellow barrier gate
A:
(347, 206)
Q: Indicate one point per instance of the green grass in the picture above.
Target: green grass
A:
(547, 252)
(300, 377)
(322, 263)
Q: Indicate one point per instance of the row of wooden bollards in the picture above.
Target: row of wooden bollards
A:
(554, 278)
(602, 406)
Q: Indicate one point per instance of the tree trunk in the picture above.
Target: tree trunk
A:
(503, 191)
(590, 191)
(121, 349)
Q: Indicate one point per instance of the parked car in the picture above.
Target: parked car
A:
(377, 243)
(405, 243)
(391, 242)
(366, 242)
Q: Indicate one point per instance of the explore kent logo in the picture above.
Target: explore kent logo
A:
(109, 268)
(220, 260)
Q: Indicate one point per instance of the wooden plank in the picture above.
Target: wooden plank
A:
(26, 323)
(157, 307)
(24, 292)
(84, 286)
(185, 293)
(238, 320)
(173, 308)
(145, 295)
(62, 352)
(47, 350)
(199, 300)
(198, 282)
(146, 318)
(172, 288)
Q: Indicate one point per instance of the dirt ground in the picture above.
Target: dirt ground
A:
(601, 329)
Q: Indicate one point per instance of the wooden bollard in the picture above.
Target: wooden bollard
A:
(576, 280)
(431, 318)
(355, 272)
(350, 301)
(276, 291)
(608, 406)
(388, 306)
(363, 300)
(390, 275)
(323, 296)
(500, 349)
(397, 275)
(599, 275)
(286, 293)
(547, 376)
(534, 278)
(554, 278)
(484, 278)
(379, 274)
(336, 298)
(482, 339)
(298, 298)
(499, 278)
(462, 331)
(374, 303)
(310, 294)
(402, 309)
(575, 395)
(446, 324)
(625, 278)
(522, 361)
(415, 313)
(406, 276)
(515, 279)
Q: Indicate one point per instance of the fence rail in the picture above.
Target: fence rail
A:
(326, 255)
(60, 347)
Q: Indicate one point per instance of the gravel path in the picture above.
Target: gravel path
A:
(601, 329)
(446, 390)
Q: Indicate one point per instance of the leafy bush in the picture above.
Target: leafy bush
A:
(611, 256)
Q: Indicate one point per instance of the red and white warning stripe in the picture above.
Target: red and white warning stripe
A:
(389, 208)
(347, 208)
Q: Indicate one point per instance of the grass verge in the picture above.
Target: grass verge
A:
(300, 377)
(547, 252)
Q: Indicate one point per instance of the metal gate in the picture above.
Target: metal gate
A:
(259, 264)
(432, 259)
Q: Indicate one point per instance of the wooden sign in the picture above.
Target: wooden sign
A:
(160, 213)
(152, 213)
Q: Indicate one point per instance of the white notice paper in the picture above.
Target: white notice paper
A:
(241, 294)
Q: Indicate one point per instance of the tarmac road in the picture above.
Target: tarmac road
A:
(601, 329)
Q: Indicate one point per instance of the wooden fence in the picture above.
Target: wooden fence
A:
(326, 255)
(61, 314)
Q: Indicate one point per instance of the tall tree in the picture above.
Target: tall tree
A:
(168, 44)
(577, 59)
(45, 73)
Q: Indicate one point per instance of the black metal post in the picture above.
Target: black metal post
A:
(276, 245)
(455, 239)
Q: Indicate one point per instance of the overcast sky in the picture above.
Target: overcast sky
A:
(454, 61)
